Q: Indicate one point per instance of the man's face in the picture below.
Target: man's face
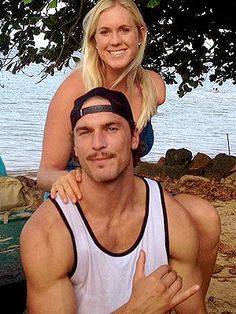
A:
(103, 143)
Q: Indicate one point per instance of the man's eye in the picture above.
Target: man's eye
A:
(112, 129)
(83, 132)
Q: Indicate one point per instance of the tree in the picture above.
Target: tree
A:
(186, 37)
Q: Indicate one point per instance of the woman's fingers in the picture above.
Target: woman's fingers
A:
(67, 186)
(74, 192)
(78, 174)
(63, 193)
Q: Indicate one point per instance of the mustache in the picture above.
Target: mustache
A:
(100, 155)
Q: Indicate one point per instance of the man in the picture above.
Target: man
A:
(109, 252)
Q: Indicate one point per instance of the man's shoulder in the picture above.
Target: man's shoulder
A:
(40, 223)
(44, 240)
(151, 181)
(182, 230)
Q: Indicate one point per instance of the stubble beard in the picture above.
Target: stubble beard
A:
(106, 174)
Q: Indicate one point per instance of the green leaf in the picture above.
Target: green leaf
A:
(53, 4)
(27, 1)
(76, 59)
(153, 3)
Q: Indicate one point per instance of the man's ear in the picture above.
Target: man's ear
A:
(75, 152)
(135, 139)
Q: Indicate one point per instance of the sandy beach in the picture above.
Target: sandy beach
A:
(221, 297)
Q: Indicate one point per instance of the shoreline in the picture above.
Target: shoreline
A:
(31, 173)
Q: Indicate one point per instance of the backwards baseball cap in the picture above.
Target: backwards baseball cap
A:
(118, 104)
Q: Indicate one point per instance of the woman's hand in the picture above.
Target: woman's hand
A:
(67, 186)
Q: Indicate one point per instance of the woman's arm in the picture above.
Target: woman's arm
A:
(160, 87)
(57, 139)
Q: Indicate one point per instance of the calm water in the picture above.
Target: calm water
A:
(199, 121)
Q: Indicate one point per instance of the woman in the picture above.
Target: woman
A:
(113, 48)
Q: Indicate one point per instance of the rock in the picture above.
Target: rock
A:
(198, 164)
(147, 169)
(220, 166)
(178, 163)
(178, 157)
(160, 170)
(233, 169)
(161, 162)
(175, 172)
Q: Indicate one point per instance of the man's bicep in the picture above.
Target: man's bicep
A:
(191, 275)
(58, 297)
(184, 251)
(45, 264)
(35, 252)
(48, 291)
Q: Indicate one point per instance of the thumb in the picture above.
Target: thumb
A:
(140, 266)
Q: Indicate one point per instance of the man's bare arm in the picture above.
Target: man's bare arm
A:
(184, 249)
(45, 263)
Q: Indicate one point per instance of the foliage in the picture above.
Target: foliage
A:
(187, 37)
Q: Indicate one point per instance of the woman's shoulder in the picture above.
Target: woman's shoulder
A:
(71, 88)
(159, 84)
(74, 81)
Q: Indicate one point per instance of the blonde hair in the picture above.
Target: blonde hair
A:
(92, 65)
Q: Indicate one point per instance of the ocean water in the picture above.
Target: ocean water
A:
(201, 121)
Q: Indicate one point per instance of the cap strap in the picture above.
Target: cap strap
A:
(94, 109)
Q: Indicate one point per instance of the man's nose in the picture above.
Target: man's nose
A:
(98, 140)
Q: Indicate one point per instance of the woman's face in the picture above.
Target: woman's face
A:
(117, 38)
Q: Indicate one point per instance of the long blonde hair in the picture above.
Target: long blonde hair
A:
(92, 66)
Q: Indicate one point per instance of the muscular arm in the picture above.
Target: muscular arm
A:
(184, 247)
(57, 139)
(46, 265)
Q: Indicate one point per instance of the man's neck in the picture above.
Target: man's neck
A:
(115, 211)
(108, 198)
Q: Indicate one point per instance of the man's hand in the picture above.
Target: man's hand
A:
(156, 293)
(67, 186)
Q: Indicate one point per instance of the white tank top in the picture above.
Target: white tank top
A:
(102, 279)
